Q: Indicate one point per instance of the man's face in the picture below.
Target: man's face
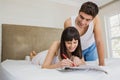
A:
(83, 19)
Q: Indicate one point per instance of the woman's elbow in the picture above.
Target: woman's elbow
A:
(43, 66)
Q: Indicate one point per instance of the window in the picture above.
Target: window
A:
(114, 35)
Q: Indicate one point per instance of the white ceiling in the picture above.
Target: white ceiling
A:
(98, 2)
(79, 2)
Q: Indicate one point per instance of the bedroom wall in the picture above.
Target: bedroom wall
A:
(34, 12)
(113, 8)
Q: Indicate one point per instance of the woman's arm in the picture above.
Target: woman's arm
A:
(77, 61)
(50, 56)
(52, 52)
(99, 40)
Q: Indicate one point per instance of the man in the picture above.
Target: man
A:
(88, 25)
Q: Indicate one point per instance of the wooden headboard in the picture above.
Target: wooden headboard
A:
(19, 40)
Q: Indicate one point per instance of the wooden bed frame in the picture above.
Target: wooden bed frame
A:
(19, 40)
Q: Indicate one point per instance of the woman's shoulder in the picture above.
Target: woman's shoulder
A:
(54, 47)
(56, 42)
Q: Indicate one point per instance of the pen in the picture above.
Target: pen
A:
(68, 59)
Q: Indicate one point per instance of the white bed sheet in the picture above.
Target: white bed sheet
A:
(4, 75)
(24, 70)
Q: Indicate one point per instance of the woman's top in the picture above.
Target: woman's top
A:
(40, 57)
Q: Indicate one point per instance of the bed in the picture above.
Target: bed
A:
(24, 70)
(19, 40)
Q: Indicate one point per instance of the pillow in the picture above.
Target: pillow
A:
(39, 58)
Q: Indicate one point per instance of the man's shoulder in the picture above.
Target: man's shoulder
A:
(97, 18)
(67, 22)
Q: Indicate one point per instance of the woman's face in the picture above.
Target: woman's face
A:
(71, 45)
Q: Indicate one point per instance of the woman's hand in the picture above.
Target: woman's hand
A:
(77, 61)
(65, 62)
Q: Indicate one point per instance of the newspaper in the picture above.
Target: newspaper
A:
(83, 68)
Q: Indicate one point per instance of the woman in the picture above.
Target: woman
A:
(67, 52)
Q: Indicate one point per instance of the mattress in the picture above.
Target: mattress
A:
(25, 70)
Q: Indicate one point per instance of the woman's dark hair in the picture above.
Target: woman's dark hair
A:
(89, 8)
(69, 34)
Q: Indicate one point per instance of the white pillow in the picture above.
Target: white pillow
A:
(39, 58)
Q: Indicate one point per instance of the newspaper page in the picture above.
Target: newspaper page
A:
(82, 68)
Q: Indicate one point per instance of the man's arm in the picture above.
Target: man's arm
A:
(99, 41)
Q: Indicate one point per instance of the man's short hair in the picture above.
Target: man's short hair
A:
(89, 8)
